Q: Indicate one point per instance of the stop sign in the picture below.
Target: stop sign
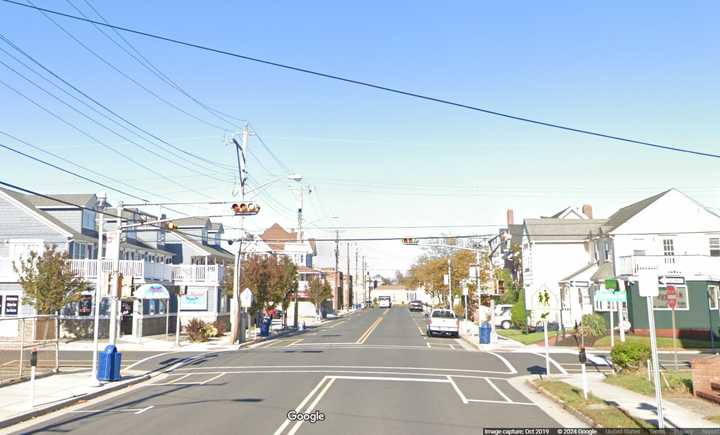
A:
(671, 296)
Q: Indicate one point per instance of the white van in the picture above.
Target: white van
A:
(384, 302)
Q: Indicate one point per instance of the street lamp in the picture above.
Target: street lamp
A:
(99, 206)
(298, 179)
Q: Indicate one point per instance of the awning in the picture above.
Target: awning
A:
(152, 291)
(605, 271)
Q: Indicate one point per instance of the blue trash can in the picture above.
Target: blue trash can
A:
(109, 364)
(265, 326)
(485, 330)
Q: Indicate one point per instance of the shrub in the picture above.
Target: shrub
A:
(518, 315)
(593, 325)
(222, 327)
(630, 355)
(197, 330)
(211, 330)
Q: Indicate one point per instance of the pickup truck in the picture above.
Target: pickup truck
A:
(443, 322)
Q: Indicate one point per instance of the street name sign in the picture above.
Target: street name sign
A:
(580, 284)
(604, 295)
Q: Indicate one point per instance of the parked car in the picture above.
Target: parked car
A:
(415, 306)
(443, 322)
(503, 316)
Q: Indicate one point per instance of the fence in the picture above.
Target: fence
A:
(19, 336)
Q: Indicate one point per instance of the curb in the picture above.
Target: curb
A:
(565, 406)
(71, 401)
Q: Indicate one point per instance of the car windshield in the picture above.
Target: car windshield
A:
(443, 314)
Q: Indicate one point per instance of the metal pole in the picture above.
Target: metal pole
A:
(22, 345)
(450, 282)
(346, 302)
(96, 298)
(337, 274)
(674, 338)
(612, 326)
(116, 271)
(547, 348)
(655, 363)
(177, 320)
(356, 275)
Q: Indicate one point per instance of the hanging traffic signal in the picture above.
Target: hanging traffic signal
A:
(409, 241)
(245, 209)
(171, 226)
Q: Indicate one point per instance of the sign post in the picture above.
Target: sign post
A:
(648, 287)
(33, 365)
(246, 300)
(544, 299)
(583, 359)
(671, 298)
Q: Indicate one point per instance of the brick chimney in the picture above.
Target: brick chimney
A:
(510, 216)
(587, 210)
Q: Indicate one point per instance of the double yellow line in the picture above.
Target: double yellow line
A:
(363, 338)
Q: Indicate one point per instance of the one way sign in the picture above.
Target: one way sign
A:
(671, 280)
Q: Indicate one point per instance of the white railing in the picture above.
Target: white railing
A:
(197, 274)
(138, 269)
(680, 265)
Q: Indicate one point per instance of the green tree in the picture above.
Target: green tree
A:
(285, 284)
(48, 281)
(318, 291)
(518, 314)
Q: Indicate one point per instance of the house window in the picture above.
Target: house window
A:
(715, 246)
(607, 250)
(713, 294)
(660, 301)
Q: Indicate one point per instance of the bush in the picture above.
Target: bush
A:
(593, 325)
(211, 330)
(518, 315)
(222, 327)
(630, 355)
(197, 330)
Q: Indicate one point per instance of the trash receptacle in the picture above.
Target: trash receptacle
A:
(109, 364)
(485, 330)
(265, 326)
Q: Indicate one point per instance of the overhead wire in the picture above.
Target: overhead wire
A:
(366, 84)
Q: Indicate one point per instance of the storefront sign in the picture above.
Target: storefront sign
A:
(85, 305)
(196, 299)
(12, 305)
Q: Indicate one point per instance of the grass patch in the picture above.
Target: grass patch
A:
(663, 342)
(680, 382)
(596, 409)
(519, 335)
(714, 418)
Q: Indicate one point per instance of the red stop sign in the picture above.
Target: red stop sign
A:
(671, 296)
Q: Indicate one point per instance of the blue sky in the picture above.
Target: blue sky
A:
(646, 70)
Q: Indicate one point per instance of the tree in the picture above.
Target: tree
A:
(318, 290)
(48, 281)
(285, 284)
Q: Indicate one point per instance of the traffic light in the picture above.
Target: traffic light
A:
(245, 209)
(409, 241)
(171, 226)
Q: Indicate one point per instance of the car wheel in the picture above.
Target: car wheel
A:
(506, 324)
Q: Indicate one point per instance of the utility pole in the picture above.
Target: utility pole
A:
(298, 178)
(115, 278)
(365, 287)
(449, 282)
(336, 296)
(347, 302)
(356, 275)
(238, 314)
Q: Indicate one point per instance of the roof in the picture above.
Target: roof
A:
(516, 233)
(276, 232)
(215, 226)
(210, 250)
(191, 222)
(626, 213)
(139, 244)
(558, 214)
(605, 271)
(554, 229)
(575, 276)
(80, 199)
(27, 201)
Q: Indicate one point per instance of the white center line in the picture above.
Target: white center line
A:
(144, 409)
(312, 406)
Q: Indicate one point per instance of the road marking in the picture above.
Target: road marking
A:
(149, 358)
(495, 387)
(295, 342)
(428, 344)
(389, 378)
(336, 324)
(555, 363)
(8, 363)
(312, 405)
(421, 331)
(212, 379)
(299, 407)
(457, 390)
(500, 402)
(363, 338)
(451, 346)
(217, 369)
(135, 411)
(507, 363)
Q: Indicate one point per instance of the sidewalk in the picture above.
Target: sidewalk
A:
(55, 392)
(638, 405)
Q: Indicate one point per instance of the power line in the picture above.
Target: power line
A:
(145, 62)
(370, 85)
(95, 101)
(267, 148)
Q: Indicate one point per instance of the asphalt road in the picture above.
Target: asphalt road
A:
(374, 371)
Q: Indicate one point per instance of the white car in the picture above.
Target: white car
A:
(443, 322)
(503, 316)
